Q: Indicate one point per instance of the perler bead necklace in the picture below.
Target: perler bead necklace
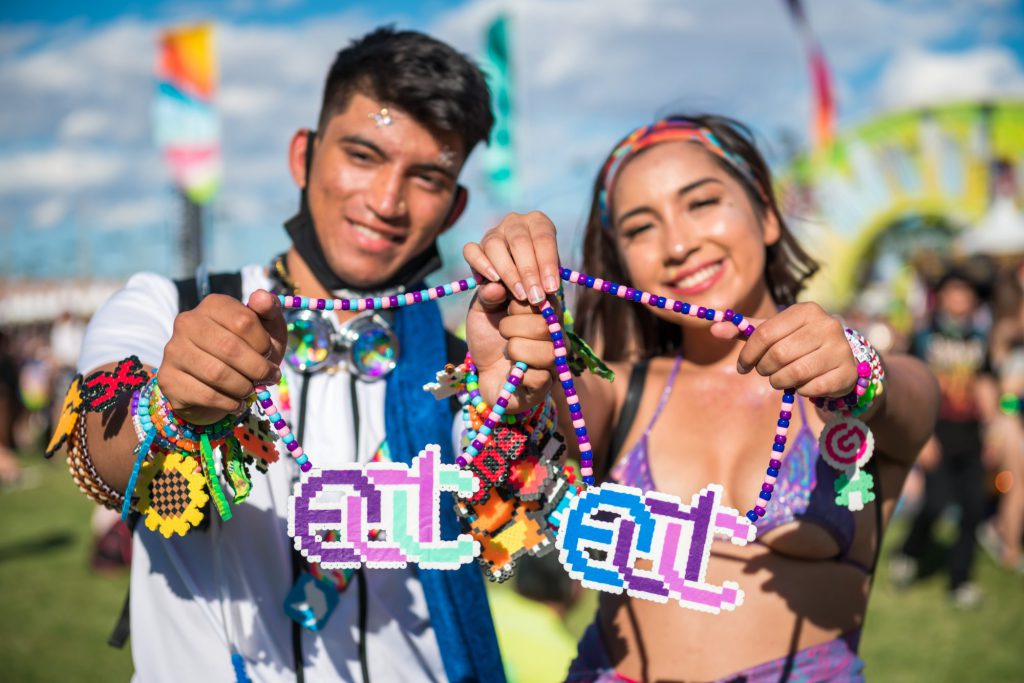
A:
(565, 377)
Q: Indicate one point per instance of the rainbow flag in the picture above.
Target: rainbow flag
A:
(185, 122)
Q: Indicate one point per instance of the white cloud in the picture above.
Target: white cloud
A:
(918, 77)
(136, 213)
(83, 124)
(58, 170)
(49, 212)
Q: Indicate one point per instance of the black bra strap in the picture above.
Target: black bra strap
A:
(635, 391)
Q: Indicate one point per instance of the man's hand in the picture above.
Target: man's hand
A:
(218, 351)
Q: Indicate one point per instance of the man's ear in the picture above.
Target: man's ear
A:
(298, 149)
(459, 202)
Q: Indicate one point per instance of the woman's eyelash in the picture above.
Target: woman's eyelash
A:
(703, 202)
(633, 232)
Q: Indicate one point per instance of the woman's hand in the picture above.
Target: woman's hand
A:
(521, 252)
(520, 258)
(803, 347)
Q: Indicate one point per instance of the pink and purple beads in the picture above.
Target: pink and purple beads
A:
(378, 302)
(281, 427)
(711, 315)
(565, 378)
(483, 435)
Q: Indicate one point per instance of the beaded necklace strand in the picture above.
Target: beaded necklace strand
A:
(496, 414)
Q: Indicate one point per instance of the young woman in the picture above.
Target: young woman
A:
(685, 209)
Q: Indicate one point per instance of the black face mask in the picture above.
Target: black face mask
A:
(303, 233)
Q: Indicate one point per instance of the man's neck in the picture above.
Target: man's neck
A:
(306, 283)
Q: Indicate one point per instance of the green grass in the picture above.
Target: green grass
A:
(56, 614)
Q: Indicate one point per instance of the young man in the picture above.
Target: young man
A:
(378, 179)
(955, 348)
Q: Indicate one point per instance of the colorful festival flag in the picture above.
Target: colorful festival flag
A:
(185, 123)
(499, 161)
(823, 123)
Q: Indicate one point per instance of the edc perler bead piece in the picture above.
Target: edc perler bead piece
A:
(171, 494)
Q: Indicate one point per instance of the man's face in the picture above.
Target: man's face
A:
(956, 299)
(380, 193)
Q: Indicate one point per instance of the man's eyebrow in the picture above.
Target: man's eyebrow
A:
(436, 168)
(359, 140)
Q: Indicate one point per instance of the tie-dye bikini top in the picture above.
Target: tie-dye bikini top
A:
(804, 490)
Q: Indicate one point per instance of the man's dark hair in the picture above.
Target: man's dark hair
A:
(438, 86)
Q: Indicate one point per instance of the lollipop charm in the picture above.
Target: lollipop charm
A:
(846, 443)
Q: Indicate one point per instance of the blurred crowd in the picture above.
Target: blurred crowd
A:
(967, 324)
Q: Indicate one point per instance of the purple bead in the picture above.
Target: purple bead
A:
(583, 439)
(296, 301)
(463, 285)
(292, 445)
(630, 292)
(306, 466)
(490, 423)
(559, 343)
(768, 487)
(417, 296)
(701, 311)
(652, 301)
(570, 392)
(369, 303)
(321, 304)
(439, 290)
(780, 439)
(728, 314)
(266, 402)
(863, 382)
(759, 510)
(502, 401)
(774, 464)
(677, 306)
(280, 424)
(346, 304)
(393, 301)
(785, 415)
(461, 461)
(514, 380)
(605, 286)
(749, 331)
(478, 444)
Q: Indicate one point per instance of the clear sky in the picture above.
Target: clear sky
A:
(83, 190)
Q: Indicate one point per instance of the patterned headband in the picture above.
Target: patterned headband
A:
(665, 130)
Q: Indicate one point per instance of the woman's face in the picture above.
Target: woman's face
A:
(687, 230)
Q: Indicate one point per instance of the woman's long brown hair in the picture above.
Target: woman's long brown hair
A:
(621, 331)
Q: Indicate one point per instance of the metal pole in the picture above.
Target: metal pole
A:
(191, 236)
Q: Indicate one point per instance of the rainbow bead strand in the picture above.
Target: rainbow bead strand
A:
(378, 302)
(281, 427)
(483, 435)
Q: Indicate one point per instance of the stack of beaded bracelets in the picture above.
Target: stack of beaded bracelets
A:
(870, 376)
(157, 426)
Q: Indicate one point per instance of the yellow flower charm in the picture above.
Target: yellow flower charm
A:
(172, 493)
